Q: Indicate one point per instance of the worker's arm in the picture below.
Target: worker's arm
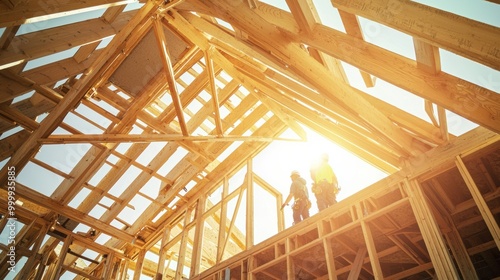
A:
(286, 201)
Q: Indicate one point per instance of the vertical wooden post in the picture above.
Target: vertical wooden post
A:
(290, 268)
(28, 267)
(62, 256)
(139, 264)
(223, 221)
(108, 268)
(481, 204)
(281, 214)
(372, 251)
(434, 241)
(198, 236)
(50, 271)
(330, 260)
(167, 267)
(124, 270)
(47, 251)
(461, 256)
(162, 254)
(250, 206)
(357, 265)
(182, 250)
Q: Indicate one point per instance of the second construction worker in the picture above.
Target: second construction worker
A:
(325, 184)
(301, 204)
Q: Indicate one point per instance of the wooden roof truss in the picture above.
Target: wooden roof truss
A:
(206, 86)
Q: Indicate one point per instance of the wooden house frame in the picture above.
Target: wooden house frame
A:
(206, 86)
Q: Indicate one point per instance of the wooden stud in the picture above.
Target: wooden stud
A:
(250, 206)
(62, 256)
(221, 240)
(198, 237)
(431, 233)
(182, 251)
(488, 217)
(139, 264)
(461, 255)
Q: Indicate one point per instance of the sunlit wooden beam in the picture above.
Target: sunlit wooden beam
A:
(73, 214)
(14, 115)
(167, 65)
(117, 50)
(352, 27)
(214, 91)
(304, 13)
(30, 12)
(475, 40)
(303, 65)
(148, 138)
(428, 59)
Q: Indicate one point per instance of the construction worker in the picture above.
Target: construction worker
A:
(301, 204)
(325, 184)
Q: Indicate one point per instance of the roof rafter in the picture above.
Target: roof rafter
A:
(312, 71)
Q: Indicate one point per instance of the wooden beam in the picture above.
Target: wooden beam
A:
(179, 273)
(27, 12)
(118, 48)
(198, 237)
(461, 255)
(275, 108)
(139, 264)
(250, 211)
(11, 143)
(474, 40)
(54, 40)
(357, 265)
(352, 27)
(13, 115)
(452, 93)
(36, 197)
(8, 34)
(313, 72)
(169, 71)
(434, 241)
(304, 13)
(213, 90)
(481, 204)
(62, 257)
(148, 138)
(221, 239)
(427, 56)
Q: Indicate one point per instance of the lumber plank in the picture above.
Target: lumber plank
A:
(53, 40)
(488, 217)
(304, 13)
(81, 217)
(474, 40)
(452, 93)
(169, 71)
(312, 71)
(352, 27)
(29, 11)
(20, 158)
